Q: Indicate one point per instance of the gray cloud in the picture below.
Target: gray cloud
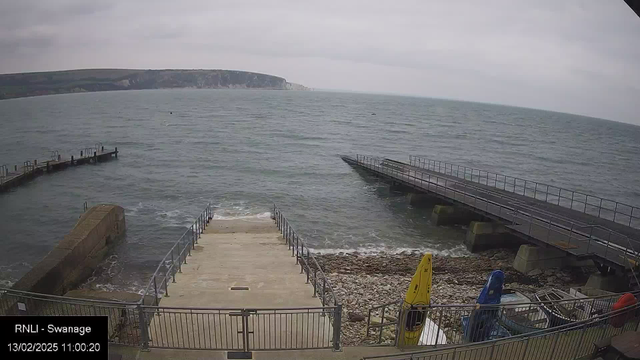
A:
(575, 56)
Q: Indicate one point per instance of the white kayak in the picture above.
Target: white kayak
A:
(431, 332)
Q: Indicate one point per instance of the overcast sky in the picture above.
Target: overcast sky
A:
(577, 56)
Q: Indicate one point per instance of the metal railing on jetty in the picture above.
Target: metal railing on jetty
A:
(578, 239)
(566, 342)
(177, 256)
(594, 205)
(308, 263)
(11, 176)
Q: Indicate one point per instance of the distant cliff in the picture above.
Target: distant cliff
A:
(60, 82)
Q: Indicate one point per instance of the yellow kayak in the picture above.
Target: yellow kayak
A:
(418, 296)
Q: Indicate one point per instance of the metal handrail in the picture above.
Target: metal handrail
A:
(593, 303)
(308, 262)
(579, 325)
(62, 299)
(504, 212)
(177, 255)
(493, 306)
(529, 186)
(4, 172)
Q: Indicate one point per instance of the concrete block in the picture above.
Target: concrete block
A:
(531, 257)
(449, 215)
(613, 283)
(485, 235)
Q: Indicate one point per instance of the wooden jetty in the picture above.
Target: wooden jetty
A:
(581, 233)
(17, 175)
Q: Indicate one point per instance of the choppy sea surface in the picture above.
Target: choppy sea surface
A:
(245, 150)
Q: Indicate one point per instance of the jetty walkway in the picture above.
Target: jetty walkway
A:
(12, 176)
(580, 225)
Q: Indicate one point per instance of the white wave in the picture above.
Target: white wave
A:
(133, 211)
(175, 218)
(263, 215)
(457, 251)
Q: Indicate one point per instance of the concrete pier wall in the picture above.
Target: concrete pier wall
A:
(78, 254)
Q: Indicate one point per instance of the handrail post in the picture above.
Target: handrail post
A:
(142, 324)
(337, 327)
(600, 209)
(301, 257)
(172, 265)
(155, 289)
(166, 286)
(315, 282)
(297, 249)
(324, 285)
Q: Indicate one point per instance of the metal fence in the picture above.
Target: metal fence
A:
(243, 329)
(172, 262)
(134, 324)
(447, 325)
(575, 238)
(594, 205)
(308, 265)
(124, 318)
(570, 341)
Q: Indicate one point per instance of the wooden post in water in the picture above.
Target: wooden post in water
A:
(116, 152)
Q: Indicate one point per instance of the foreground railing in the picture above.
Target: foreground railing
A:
(570, 341)
(177, 255)
(594, 205)
(242, 330)
(575, 238)
(456, 324)
(124, 318)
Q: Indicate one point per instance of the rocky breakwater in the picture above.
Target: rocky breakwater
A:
(364, 281)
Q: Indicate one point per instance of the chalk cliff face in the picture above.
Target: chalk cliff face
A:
(298, 87)
(59, 82)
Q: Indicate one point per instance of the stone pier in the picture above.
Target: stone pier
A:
(531, 257)
(450, 215)
(485, 235)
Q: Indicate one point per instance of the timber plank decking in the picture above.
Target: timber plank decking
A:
(580, 234)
